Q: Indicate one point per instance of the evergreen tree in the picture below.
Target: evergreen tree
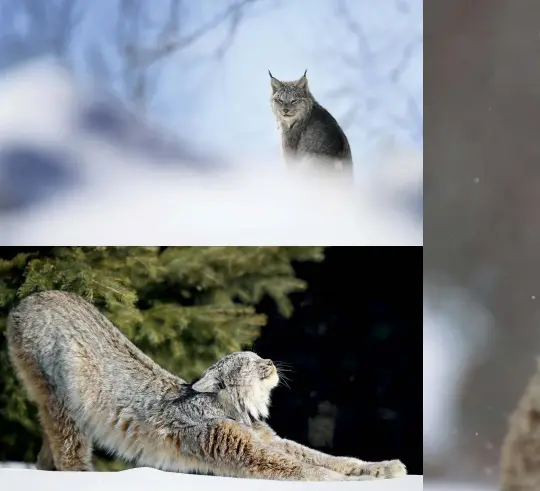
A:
(183, 306)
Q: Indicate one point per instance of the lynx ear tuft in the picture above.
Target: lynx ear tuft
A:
(301, 83)
(274, 82)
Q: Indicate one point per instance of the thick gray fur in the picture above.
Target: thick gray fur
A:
(93, 387)
(310, 135)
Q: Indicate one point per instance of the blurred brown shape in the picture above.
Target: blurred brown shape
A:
(520, 456)
(482, 194)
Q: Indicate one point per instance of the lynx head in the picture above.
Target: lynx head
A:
(243, 382)
(291, 101)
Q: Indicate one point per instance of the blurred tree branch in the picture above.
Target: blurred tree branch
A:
(142, 43)
(143, 38)
(367, 63)
(32, 28)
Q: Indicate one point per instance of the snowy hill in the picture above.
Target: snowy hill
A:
(145, 479)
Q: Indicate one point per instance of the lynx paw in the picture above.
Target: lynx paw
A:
(387, 469)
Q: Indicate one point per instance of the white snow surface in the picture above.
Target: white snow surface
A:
(145, 478)
(457, 486)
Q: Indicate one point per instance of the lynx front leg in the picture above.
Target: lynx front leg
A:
(230, 448)
(45, 458)
(344, 465)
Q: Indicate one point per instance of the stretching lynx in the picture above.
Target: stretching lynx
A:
(92, 386)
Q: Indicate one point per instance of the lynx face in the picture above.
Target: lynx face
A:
(243, 380)
(290, 101)
(242, 369)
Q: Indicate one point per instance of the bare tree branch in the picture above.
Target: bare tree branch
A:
(139, 55)
(32, 27)
(172, 42)
(366, 61)
(68, 17)
(143, 38)
(99, 66)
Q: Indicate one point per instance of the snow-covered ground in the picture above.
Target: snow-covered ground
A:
(144, 479)
(461, 486)
(77, 169)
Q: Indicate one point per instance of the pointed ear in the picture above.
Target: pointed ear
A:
(274, 82)
(301, 83)
(207, 383)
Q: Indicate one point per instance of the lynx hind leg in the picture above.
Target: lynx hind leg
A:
(38, 391)
(64, 446)
(70, 448)
(232, 449)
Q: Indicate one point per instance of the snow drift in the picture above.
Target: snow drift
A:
(143, 479)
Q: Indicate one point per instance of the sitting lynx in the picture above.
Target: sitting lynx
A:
(93, 386)
(310, 136)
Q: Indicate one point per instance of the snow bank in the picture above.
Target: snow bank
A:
(461, 486)
(144, 479)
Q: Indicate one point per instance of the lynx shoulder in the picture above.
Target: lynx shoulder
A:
(309, 133)
(92, 386)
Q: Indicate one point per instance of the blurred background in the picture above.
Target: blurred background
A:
(121, 109)
(346, 321)
(481, 262)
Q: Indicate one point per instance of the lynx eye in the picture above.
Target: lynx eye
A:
(294, 101)
(279, 101)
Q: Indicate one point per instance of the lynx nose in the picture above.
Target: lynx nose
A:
(285, 110)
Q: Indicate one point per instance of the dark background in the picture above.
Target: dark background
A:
(355, 345)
